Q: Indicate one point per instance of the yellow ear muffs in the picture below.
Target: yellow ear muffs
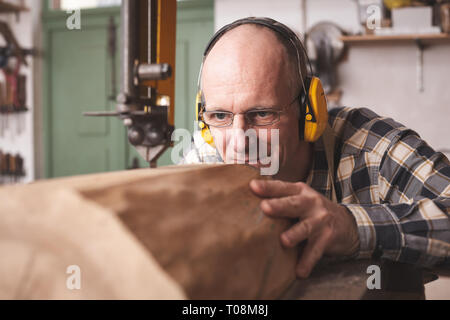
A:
(206, 133)
(316, 117)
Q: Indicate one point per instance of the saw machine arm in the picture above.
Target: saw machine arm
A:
(146, 100)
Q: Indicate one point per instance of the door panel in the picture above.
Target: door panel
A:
(79, 80)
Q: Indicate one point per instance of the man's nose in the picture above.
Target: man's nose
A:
(239, 122)
(239, 140)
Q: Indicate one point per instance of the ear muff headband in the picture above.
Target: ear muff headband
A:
(313, 104)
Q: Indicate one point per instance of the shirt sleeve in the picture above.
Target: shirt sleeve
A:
(411, 223)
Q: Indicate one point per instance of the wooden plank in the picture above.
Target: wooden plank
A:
(6, 7)
(200, 224)
(44, 233)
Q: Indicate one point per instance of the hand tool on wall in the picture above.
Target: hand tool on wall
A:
(12, 57)
(18, 167)
(3, 109)
(21, 101)
(326, 49)
(12, 48)
(1, 167)
(11, 167)
(5, 165)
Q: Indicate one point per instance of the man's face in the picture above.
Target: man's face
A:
(246, 70)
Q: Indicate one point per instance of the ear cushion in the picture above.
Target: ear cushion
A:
(206, 133)
(316, 111)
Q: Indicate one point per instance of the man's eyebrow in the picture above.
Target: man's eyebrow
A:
(254, 108)
(214, 108)
(264, 108)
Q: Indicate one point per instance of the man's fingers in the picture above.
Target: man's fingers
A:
(312, 253)
(275, 188)
(300, 231)
(288, 207)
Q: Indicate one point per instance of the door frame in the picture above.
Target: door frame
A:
(55, 20)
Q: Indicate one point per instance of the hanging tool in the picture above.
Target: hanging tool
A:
(326, 50)
(12, 57)
(1, 167)
(11, 77)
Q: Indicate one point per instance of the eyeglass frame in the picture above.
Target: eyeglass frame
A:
(279, 112)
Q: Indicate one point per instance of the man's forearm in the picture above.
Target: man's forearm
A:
(420, 237)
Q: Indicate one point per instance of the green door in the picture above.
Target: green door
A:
(77, 73)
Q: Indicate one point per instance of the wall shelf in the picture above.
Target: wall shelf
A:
(421, 41)
(424, 39)
(7, 7)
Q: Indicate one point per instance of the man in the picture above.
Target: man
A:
(392, 189)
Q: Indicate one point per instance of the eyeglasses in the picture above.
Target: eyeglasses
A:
(256, 117)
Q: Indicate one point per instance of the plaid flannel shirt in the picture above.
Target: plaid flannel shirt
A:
(395, 185)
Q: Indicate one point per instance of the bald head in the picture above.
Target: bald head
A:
(253, 55)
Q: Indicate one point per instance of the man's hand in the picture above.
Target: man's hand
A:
(329, 228)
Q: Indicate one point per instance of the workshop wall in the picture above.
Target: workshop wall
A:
(16, 130)
(380, 77)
